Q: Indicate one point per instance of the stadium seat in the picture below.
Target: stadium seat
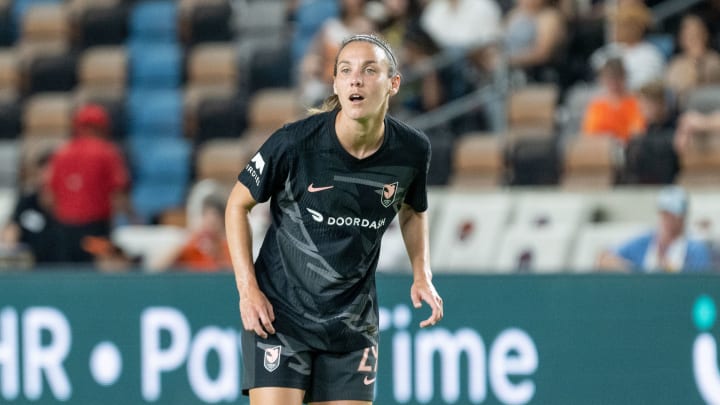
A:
(48, 115)
(700, 164)
(7, 34)
(153, 21)
(205, 21)
(193, 95)
(478, 160)
(590, 162)
(467, 230)
(593, 239)
(161, 160)
(9, 72)
(44, 22)
(273, 108)
(541, 250)
(150, 198)
(97, 23)
(20, 8)
(269, 66)
(155, 113)
(49, 72)
(149, 242)
(9, 163)
(155, 65)
(704, 99)
(532, 108)
(532, 160)
(222, 159)
(103, 66)
(213, 64)
(10, 109)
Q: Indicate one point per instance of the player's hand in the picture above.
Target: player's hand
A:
(424, 290)
(256, 312)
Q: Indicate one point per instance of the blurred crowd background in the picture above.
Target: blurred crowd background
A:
(554, 123)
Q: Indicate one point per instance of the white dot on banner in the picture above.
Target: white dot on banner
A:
(105, 363)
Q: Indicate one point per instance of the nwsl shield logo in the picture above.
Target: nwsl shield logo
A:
(389, 192)
(272, 358)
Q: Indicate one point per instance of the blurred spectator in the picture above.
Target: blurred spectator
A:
(643, 61)
(88, 183)
(651, 158)
(666, 248)
(692, 124)
(425, 93)
(316, 70)
(615, 112)
(697, 63)
(207, 248)
(462, 24)
(657, 108)
(32, 225)
(397, 16)
(534, 38)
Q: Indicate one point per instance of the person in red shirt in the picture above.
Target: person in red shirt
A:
(616, 112)
(88, 182)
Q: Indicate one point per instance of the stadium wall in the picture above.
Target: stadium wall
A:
(542, 339)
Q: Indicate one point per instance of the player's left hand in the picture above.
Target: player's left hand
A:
(424, 290)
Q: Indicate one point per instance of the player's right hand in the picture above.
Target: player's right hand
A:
(257, 312)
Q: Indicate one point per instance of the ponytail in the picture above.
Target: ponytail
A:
(331, 103)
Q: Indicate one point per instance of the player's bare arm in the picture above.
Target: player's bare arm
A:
(414, 228)
(255, 309)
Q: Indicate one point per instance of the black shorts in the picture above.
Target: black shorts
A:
(281, 361)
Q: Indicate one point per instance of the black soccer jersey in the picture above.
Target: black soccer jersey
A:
(329, 211)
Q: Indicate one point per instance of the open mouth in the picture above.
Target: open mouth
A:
(356, 97)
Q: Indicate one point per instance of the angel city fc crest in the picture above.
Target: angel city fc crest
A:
(389, 191)
(272, 358)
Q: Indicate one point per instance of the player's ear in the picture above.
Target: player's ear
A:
(394, 85)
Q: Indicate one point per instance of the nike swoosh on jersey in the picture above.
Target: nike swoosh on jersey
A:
(314, 189)
(368, 381)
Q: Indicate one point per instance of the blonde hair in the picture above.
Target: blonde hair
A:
(332, 102)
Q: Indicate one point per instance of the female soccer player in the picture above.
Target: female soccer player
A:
(335, 181)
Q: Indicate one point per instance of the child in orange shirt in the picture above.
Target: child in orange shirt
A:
(615, 112)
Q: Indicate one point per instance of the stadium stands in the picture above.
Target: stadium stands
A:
(193, 87)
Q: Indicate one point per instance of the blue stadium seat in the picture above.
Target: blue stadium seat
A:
(155, 65)
(163, 160)
(152, 198)
(154, 21)
(161, 169)
(157, 113)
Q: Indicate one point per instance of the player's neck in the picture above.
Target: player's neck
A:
(360, 138)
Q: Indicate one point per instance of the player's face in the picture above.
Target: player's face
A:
(362, 82)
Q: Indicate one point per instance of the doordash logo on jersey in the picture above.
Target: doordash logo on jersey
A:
(257, 171)
(346, 221)
(705, 359)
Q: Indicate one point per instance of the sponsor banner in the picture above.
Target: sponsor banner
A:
(561, 339)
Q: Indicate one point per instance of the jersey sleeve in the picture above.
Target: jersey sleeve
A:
(267, 171)
(416, 195)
